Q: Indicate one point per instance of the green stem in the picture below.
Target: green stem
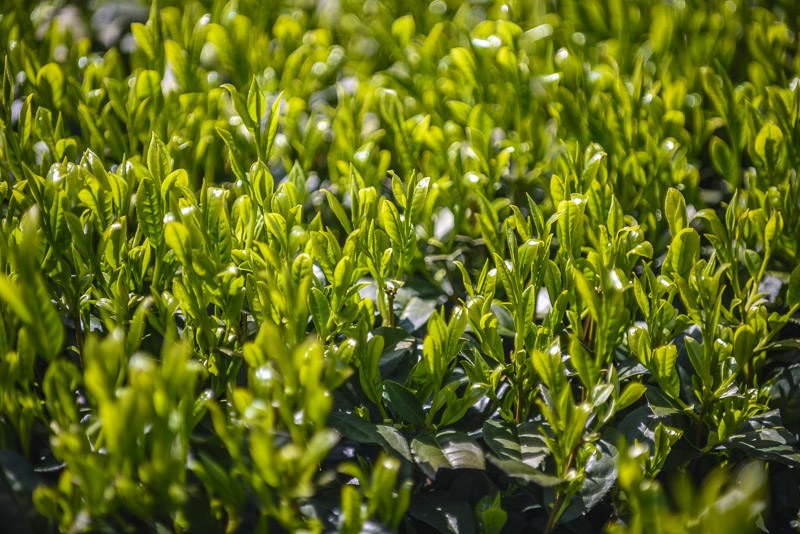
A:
(551, 521)
(698, 431)
(390, 294)
(243, 329)
(76, 321)
(555, 513)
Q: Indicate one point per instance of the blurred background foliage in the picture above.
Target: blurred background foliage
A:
(399, 265)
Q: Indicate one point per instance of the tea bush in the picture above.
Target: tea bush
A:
(400, 266)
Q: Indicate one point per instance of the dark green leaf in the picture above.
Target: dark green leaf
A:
(442, 514)
(521, 443)
(16, 490)
(448, 449)
(524, 472)
(601, 473)
(404, 403)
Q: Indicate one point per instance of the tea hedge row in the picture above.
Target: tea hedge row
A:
(399, 266)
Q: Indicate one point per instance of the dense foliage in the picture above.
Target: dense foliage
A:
(378, 266)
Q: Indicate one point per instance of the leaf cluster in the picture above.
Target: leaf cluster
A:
(399, 266)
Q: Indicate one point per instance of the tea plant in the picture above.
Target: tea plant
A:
(399, 266)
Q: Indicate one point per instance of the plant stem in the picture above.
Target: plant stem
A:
(560, 496)
(76, 321)
(551, 521)
(243, 329)
(390, 293)
(698, 431)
